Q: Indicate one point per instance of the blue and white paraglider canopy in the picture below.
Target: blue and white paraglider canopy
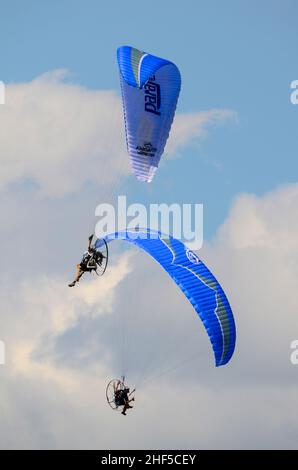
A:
(196, 282)
(150, 89)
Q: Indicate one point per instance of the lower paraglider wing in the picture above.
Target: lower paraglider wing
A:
(196, 282)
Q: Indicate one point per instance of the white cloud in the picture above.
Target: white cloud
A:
(189, 128)
(256, 251)
(62, 344)
(60, 136)
(48, 307)
(248, 404)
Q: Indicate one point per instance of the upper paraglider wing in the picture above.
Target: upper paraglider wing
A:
(196, 282)
(150, 89)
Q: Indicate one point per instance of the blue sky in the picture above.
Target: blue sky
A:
(234, 54)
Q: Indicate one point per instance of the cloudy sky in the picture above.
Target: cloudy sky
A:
(233, 147)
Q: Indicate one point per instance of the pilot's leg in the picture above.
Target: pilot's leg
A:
(80, 273)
